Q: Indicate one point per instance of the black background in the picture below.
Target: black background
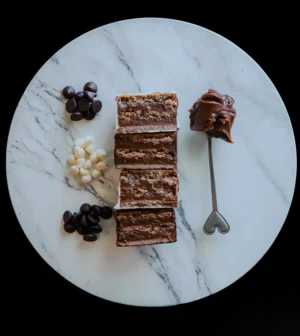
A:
(266, 300)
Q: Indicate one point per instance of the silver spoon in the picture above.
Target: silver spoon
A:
(215, 219)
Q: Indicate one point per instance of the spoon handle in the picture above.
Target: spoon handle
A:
(212, 175)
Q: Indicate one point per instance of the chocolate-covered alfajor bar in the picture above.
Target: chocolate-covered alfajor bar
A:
(146, 150)
(148, 189)
(214, 114)
(145, 227)
(147, 112)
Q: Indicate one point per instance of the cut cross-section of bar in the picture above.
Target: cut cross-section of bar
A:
(148, 189)
(147, 112)
(145, 227)
(146, 150)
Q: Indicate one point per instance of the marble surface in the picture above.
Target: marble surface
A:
(255, 177)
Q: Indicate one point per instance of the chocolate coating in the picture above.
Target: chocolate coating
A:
(70, 228)
(67, 216)
(76, 116)
(95, 228)
(68, 92)
(214, 114)
(95, 210)
(71, 105)
(85, 208)
(79, 95)
(91, 86)
(89, 95)
(83, 105)
(89, 115)
(93, 220)
(106, 212)
(90, 237)
(96, 106)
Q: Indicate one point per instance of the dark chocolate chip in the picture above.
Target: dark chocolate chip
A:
(106, 212)
(90, 96)
(95, 228)
(96, 210)
(76, 116)
(71, 105)
(68, 92)
(90, 86)
(84, 221)
(79, 95)
(67, 216)
(76, 218)
(83, 105)
(93, 219)
(85, 208)
(70, 228)
(82, 230)
(89, 115)
(96, 106)
(90, 237)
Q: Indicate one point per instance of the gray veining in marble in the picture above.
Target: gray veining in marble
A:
(255, 176)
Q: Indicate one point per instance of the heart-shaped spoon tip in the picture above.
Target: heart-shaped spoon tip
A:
(216, 220)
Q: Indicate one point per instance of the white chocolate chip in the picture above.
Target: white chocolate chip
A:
(87, 164)
(96, 173)
(74, 170)
(80, 162)
(84, 172)
(71, 159)
(79, 142)
(88, 141)
(86, 178)
(100, 153)
(93, 157)
(79, 152)
(101, 165)
(90, 148)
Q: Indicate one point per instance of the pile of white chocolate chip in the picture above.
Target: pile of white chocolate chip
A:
(86, 161)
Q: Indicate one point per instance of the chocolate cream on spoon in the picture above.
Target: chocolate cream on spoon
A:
(214, 114)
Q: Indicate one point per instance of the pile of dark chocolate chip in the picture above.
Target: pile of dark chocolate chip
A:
(86, 221)
(82, 104)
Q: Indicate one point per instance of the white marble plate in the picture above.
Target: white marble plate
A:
(255, 176)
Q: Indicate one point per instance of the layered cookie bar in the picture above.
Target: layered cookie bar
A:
(145, 227)
(148, 189)
(146, 150)
(147, 112)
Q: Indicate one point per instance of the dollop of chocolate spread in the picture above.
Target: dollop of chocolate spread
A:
(214, 114)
